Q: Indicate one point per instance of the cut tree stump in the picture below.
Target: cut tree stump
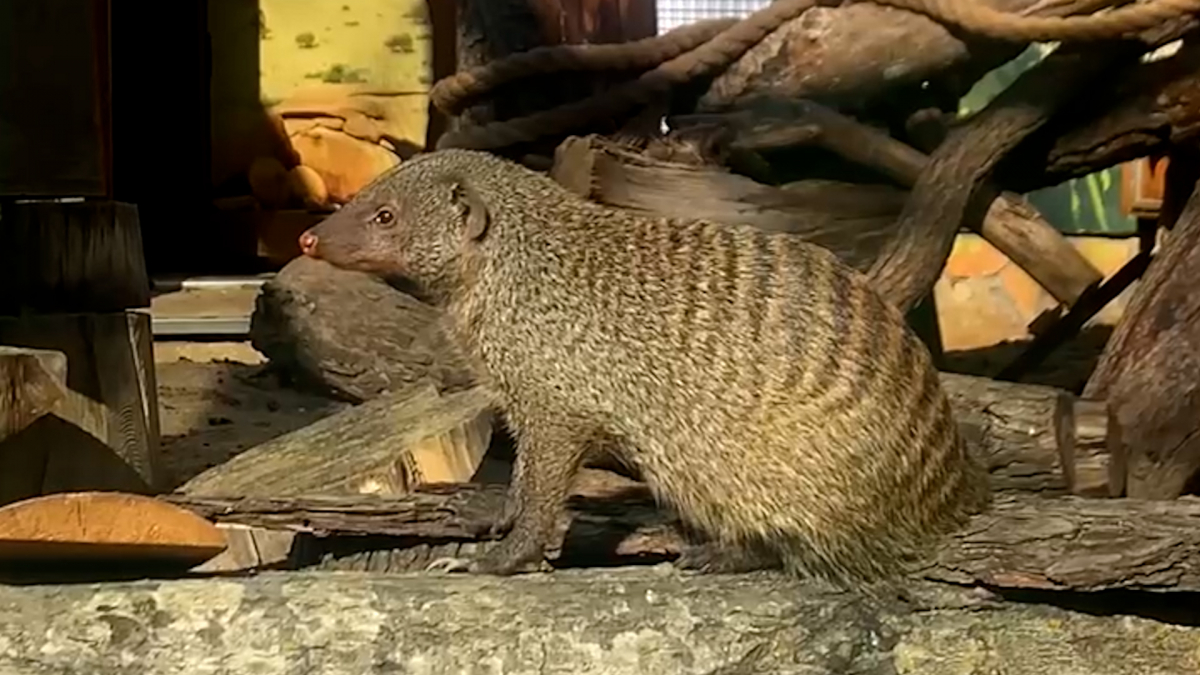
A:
(65, 257)
(32, 382)
(103, 434)
(385, 446)
(615, 622)
(1149, 372)
(103, 528)
(1021, 542)
(349, 334)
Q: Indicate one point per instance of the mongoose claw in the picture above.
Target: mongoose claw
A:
(450, 565)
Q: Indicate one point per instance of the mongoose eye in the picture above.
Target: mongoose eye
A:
(384, 217)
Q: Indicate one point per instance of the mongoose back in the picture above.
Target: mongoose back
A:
(762, 388)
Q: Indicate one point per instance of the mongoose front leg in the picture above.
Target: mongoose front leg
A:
(548, 458)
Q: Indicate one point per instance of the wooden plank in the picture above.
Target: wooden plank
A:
(83, 256)
(32, 382)
(103, 434)
(54, 127)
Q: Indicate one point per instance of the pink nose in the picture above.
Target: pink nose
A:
(308, 244)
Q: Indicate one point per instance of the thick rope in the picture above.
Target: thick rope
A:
(718, 53)
(976, 17)
(451, 93)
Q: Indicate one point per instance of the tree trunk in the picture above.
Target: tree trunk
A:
(612, 622)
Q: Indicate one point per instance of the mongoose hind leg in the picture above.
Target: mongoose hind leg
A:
(549, 455)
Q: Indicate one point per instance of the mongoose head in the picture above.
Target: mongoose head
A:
(418, 223)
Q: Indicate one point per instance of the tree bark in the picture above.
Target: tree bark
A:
(1150, 371)
(612, 622)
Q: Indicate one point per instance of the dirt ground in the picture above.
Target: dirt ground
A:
(216, 399)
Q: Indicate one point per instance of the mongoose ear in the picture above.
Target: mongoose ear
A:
(475, 211)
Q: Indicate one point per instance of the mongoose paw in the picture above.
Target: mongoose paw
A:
(712, 558)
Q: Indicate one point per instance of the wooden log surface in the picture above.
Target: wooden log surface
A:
(32, 382)
(384, 446)
(615, 622)
(1149, 372)
(72, 257)
(104, 433)
(350, 335)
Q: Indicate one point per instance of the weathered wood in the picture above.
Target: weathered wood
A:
(91, 527)
(349, 334)
(1022, 542)
(384, 446)
(32, 382)
(615, 622)
(1011, 224)
(1083, 441)
(1078, 544)
(854, 221)
(71, 257)
(1150, 369)
(893, 52)
(55, 131)
(249, 549)
(104, 433)
(1146, 109)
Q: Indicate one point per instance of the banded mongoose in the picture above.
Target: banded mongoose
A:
(763, 389)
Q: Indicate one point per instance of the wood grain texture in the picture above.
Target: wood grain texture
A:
(32, 382)
(385, 446)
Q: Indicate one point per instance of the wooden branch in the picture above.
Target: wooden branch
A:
(618, 622)
(384, 446)
(350, 335)
(103, 434)
(1011, 224)
(955, 186)
(1148, 108)
(1150, 368)
(72, 257)
(32, 382)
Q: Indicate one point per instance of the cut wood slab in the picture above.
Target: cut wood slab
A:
(104, 526)
(103, 434)
(384, 446)
(615, 622)
(349, 334)
(249, 549)
(32, 382)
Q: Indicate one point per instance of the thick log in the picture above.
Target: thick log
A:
(72, 257)
(103, 434)
(384, 446)
(1021, 542)
(615, 622)
(350, 335)
(1150, 368)
(894, 51)
(32, 382)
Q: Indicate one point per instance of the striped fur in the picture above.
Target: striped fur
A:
(761, 387)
